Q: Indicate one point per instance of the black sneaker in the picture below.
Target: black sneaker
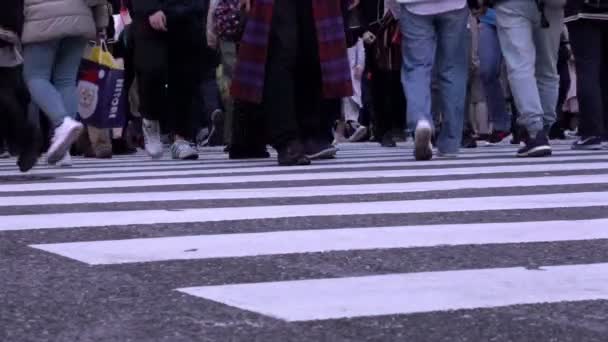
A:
(497, 137)
(588, 144)
(30, 150)
(292, 154)
(388, 141)
(250, 152)
(536, 147)
(468, 141)
(4, 153)
(315, 150)
(556, 132)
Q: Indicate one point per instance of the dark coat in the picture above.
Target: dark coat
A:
(11, 15)
(250, 71)
(172, 8)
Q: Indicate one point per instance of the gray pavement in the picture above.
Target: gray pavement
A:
(481, 248)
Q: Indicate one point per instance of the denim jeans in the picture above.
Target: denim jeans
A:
(530, 53)
(490, 64)
(50, 71)
(439, 39)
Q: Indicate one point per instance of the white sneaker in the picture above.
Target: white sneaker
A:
(66, 161)
(65, 135)
(359, 134)
(423, 149)
(154, 147)
(182, 150)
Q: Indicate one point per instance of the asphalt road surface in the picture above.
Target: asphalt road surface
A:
(371, 246)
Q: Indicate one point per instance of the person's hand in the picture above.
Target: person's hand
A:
(358, 72)
(102, 36)
(481, 11)
(158, 21)
(369, 38)
(246, 5)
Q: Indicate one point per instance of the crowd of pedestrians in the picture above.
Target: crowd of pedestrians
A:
(305, 76)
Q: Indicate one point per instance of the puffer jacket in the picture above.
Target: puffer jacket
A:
(47, 20)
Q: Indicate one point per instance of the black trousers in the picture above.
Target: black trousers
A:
(389, 101)
(14, 100)
(589, 40)
(168, 68)
(293, 104)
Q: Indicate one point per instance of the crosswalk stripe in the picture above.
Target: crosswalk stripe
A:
(307, 176)
(352, 165)
(326, 240)
(319, 299)
(368, 161)
(141, 217)
(303, 191)
(330, 203)
(141, 159)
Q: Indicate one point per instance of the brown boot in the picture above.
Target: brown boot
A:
(101, 142)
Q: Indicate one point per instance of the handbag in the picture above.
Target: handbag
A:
(229, 20)
(388, 44)
(103, 100)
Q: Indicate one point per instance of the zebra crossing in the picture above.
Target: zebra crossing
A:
(370, 236)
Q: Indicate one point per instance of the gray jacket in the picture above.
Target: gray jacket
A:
(47, 20)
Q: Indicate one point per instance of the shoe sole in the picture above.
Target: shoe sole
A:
(154, 155)
(189, 157)
(422, 139)
(299, 162)
(358, 135)
(541, 151)
(588, 147)
(328, 153)
(57, 154)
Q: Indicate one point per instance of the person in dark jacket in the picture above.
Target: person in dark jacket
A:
(384, 82)
(14, 97)
(168, 57)
(293, 62)
(587, 22)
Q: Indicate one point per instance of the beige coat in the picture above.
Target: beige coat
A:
(47, 20)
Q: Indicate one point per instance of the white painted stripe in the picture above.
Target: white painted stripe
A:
(304, 191)
(367, 161)
(374, 174)
(80, 163)
(351, 165)
(142, 163)
(327, 240)
(142, 217)
(319, 299)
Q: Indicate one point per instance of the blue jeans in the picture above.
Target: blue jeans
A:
(490, 63)
(530, 52)
(440, 39)
(50, 71)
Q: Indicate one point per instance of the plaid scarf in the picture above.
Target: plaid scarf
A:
(248, 82)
